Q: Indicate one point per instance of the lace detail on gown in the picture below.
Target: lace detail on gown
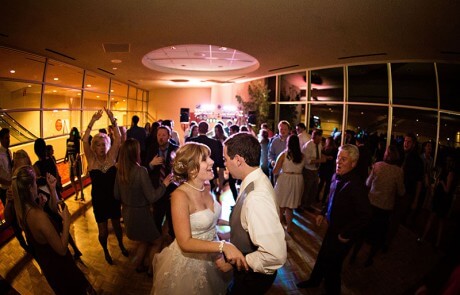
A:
(176, 271)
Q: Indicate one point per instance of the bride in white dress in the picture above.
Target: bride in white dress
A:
(194, 262)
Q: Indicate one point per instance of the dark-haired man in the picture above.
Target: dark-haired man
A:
(256, 228)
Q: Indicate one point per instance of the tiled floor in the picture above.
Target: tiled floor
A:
(393, 273)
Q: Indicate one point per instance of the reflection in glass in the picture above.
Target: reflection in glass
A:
(94, 100)
(293, 87)
(134, 105)
(18, 95)
(414, 84)
(327, 85)
(57, 123)
(96, 83)
(118, 103)
(63, 74)
(132, 92)
(327, 117)
(20, 65)
(58, 97)
(421, 123)
(449, 131)
(449, 86)
(118, 89)
(291, 113)
(271, 85)
(368, 83)
(22, 126)
(360, 122)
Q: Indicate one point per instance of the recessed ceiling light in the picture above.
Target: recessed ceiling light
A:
(29, 85)
(173, 47)
(12, 71)
(223, 48)
(114, 68)
(116, 61)
(54, 91)
(56, 79)
(88, 85)
(111, 90)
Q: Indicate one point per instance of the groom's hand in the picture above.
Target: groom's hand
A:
(234, 256)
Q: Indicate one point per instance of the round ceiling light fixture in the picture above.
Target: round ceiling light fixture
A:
(196, 59)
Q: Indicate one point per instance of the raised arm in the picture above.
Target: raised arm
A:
(116, 133)
(279, 163)
(86, 147)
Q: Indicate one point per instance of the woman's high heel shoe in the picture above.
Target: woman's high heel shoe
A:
(108, 258)
(124, 251)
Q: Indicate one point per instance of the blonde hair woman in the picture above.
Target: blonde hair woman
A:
(189, 263)
(101, 157)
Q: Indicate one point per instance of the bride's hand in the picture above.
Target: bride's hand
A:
(234, 256)
(222, 265)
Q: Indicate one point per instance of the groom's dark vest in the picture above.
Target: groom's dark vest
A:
(238, 236)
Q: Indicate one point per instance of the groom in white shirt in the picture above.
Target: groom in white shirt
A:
(255, 224)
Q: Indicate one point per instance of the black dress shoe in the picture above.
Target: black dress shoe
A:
(307, 284)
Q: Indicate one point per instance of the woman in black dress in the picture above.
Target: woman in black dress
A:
(48, 242)
(101, 157)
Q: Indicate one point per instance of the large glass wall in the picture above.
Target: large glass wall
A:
(41, 97)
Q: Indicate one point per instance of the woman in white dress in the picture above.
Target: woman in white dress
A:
(289, 184)
(193, 263)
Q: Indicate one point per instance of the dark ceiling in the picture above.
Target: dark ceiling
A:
(282, 35)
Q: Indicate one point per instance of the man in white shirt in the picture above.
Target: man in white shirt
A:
(256, 228)
(302, 134)
(313, 158)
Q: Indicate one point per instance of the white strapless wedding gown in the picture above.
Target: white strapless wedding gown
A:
(177, 272)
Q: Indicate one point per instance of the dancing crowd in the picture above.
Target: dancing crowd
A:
(165, 189)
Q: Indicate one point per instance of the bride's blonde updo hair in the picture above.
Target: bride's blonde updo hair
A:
(187, 161)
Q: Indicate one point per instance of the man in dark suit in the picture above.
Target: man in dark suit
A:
(159, 163)
(216, 153)
(348, 212)
(138, 133)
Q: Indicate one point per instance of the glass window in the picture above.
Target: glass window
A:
(101, 123)
(58, 97)
(327, 84)
(449, 82)
(62, 74)
(20, 65)
(118, 103)
(24, 126)
(421, 123)
(360, 124)
(134, 105)
(327, 117)
(292, 113)
(271, 85)
(132, 92)
(449, 133)
(121, 118)
(96, 83)
(94, 100)
(368, 83)
(293, 87)
(57, 123)
(414, 84)
(145, 107)
(17, 95)
(119, 89)
(140, 93)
